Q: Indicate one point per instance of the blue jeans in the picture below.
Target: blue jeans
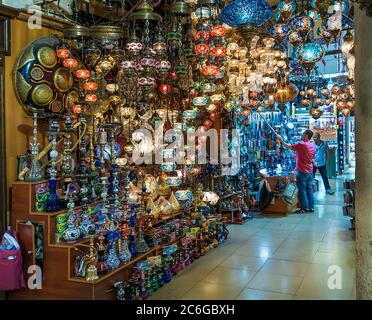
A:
(323, 173)
(305, 189)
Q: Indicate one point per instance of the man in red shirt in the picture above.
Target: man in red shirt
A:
(305, 153)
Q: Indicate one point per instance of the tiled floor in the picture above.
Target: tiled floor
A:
(277, 258)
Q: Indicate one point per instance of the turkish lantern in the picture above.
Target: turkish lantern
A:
(219, 52)
(201, 34)
(345, 111)
(71, 63)
(210, 70)
(217, 31)
(90, 86)
(201, 49)
(165, 88)
(82, 74)
(340, 104)
(90, 98)
(63, 53)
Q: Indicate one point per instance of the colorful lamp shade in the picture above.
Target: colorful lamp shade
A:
(165, 89)
(189, 114)
(168, 167)
(203, 13)
(63, 53)
(71, 63)
(183, 195)
(82, 74)
(287, 6)
(295, 38)
(76, 108)
(279, 31)
(210, 70)
(218, 52)
(200, 101)
(173, 181)
(303, 24)
(316, 113)
(309, 54)
(201, 35)
(90, 86)
(210, 197)
(286, 93)
(217, 31)
(325, 34)
(242, 12)
(201, 49)
(90, 98)
(284, 10)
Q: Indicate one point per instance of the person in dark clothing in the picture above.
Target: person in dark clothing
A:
(320, 161)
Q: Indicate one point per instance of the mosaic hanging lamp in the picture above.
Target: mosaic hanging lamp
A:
(303, 25)
(309, 54)
(246, 15)
(284, 11)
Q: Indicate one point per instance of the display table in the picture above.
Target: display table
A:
(278, 205)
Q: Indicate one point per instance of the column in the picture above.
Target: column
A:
(363, 117)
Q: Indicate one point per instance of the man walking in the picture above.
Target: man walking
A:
(320, 161)
(305, 152)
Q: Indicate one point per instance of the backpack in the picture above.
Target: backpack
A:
(266, 196)
(11, 268)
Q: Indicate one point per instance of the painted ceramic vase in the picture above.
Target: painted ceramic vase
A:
(72, 233)
(124, 253)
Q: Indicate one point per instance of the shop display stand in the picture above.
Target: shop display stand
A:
(233, 215)
(58, 279)
(349, 201)
(279, 206)
(341, 149)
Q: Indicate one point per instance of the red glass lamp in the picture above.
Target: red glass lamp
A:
(71, 63)
(90, 86)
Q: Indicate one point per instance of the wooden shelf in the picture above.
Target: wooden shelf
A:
(58, 279)
(111, 273)
(230, 210)
(227, 196)
(56, 213)
(156, 249)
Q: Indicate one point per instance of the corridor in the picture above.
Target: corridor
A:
(279, 258)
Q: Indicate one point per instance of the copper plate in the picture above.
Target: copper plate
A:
(36, 73)
(42, 94)
(63, 79)
(47, 57)
(56, 106)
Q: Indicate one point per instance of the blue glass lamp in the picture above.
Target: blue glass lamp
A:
(284, 10)
(303, 25)
(246, 15)
(309, 54)
(279, 31)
